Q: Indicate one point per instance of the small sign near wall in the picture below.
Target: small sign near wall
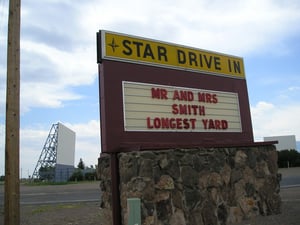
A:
(155, 94)
(134, 211)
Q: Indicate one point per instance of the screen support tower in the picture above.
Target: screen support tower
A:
(45, 167)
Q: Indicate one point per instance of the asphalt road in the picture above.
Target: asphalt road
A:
(54, 194)
(290, 176)
(90, 192)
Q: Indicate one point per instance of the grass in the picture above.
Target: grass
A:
(43, 183)
(48, 208)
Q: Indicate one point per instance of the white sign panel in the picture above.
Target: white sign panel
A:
(160, 108)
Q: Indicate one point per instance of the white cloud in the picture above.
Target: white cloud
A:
(59, 45)
(67, 67)
(2, 99)
(239, 27)
(88, 145)
(50, 95)
(294, 88)
(274, 120)
(2, 148)
(49, 74)
(91, 129)
(32, 141)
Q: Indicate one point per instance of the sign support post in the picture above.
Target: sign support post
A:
(115, 183)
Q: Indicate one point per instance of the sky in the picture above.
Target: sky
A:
(59, 72)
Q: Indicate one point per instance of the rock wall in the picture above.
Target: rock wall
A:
(205, 186)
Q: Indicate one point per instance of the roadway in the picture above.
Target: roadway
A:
(55, 194)
(290, 177)
(90, 192)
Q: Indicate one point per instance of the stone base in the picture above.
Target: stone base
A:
(205, 186)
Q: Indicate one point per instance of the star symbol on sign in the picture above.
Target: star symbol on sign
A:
(113, 45)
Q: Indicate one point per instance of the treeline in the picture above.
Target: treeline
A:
(288, 158)
(83, 173)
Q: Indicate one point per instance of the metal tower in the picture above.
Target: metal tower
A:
(45, 167)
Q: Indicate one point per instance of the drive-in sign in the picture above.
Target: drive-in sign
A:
(146, 51)
(155, 94)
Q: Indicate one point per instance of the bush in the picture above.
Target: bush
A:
(90, 176)
(76, 176)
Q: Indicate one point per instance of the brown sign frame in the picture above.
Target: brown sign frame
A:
(115, 139)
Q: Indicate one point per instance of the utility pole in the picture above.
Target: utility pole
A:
(12, 126)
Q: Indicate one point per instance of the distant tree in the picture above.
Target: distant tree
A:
(81, 164)
(288, 158)
(83, 173)
(2, 178)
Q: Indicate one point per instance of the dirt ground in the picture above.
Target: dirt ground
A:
(290, 216)
(91, 214)
(61, 214)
